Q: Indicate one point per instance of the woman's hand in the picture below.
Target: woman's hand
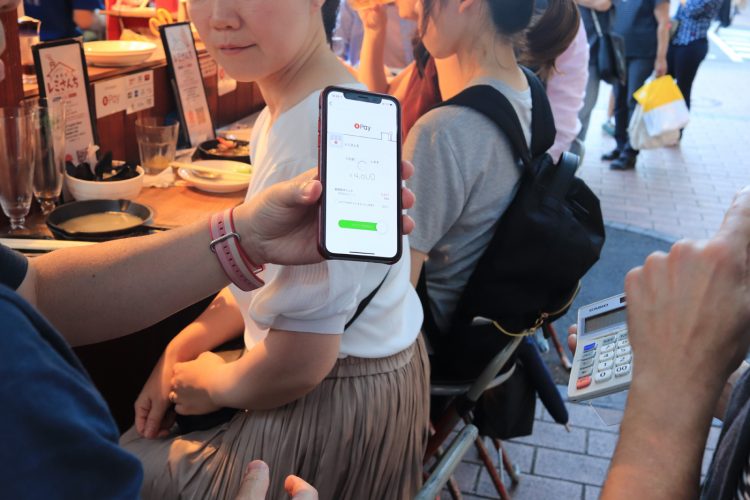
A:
(255, 483)
(374, 19)
(190, 385)
(154, 414)
(279, 225)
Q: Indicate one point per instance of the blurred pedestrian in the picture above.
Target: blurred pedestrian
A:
(65, 18)
(644, 24)
(689, 45)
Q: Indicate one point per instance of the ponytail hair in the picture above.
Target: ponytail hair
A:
(538, 38)
(550, 34)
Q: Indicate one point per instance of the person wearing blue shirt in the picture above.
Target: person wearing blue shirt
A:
(64, 18)
(689, 45)
(644, 24)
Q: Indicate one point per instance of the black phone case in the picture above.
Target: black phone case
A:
(322, 166)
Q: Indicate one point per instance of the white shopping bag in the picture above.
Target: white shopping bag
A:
(640, 137)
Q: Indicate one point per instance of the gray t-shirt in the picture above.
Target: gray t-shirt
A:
(466, 177)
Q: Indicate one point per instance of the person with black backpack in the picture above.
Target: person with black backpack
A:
(483, 171)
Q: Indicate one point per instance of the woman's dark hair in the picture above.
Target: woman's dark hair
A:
(330, 10)
(539, 35)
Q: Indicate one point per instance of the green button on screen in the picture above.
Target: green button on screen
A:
(358, 224)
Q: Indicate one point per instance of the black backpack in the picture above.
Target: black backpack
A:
(547, 239)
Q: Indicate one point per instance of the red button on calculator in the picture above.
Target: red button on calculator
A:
(583, 382)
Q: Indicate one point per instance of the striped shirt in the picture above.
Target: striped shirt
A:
(695, 18)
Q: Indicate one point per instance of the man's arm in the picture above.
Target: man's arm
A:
(96, 293)
(674, 302)
(103, 291)
(661, 12)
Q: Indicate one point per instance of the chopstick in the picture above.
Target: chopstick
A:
(201, 168)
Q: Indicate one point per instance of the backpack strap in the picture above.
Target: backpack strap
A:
(362, 305)
(491, 103)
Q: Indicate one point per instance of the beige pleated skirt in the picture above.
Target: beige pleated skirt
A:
(359, 435)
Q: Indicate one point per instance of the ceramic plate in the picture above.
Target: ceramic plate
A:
(219, 184)
(117, 52)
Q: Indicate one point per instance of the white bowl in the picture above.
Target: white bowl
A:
(117, 52)
(129, 189)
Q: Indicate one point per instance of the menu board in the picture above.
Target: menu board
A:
(187, 82)
(61, 71)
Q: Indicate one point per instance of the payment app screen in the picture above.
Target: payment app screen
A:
(361, 177)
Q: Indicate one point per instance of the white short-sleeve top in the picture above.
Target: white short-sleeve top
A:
(321, 298)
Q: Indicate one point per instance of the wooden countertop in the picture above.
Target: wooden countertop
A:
(173, 207)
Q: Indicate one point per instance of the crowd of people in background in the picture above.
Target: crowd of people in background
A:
(345, 405)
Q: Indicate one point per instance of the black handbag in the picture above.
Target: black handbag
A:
(610, 54)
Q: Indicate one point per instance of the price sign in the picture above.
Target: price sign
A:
(187, 82)
(61, 71)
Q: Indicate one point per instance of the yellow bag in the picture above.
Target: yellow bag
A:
(664, 108)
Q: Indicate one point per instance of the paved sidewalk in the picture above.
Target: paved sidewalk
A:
(676, 192)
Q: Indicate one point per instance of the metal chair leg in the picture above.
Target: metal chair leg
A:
(454, 490)
(490, 466)
(550, 332)
(508, 465)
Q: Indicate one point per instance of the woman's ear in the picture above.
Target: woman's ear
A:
(317, 4)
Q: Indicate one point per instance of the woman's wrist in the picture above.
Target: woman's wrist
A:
(243, 224)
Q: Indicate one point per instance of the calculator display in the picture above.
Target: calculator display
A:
(593, 324)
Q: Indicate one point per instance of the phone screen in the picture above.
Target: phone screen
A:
(361, 175)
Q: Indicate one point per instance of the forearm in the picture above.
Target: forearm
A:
(371, 70)
(664, 431)
(104, 291)
(279, 370)
(566, 89)
(662, 31)
(87, 19)
(219, 323)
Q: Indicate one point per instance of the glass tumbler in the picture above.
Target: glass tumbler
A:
(157, 144)
(49, 167)
(17, 157)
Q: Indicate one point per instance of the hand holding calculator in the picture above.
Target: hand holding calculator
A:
(603, 361)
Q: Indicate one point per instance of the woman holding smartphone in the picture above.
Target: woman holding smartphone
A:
(344, 408)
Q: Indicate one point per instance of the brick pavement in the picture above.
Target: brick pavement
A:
(677, 192)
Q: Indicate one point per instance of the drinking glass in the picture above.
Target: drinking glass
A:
(156, 144)
(17, 157)
(50, 158)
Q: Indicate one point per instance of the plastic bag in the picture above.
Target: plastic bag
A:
(641, 139)
(663, 106)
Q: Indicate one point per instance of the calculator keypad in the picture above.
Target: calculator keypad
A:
(607, 358)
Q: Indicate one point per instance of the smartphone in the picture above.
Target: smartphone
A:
(359, 153)
(603, 361)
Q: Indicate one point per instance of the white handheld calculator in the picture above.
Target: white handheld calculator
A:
(603, 362)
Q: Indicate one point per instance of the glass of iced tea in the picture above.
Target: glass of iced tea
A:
(157, 144)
